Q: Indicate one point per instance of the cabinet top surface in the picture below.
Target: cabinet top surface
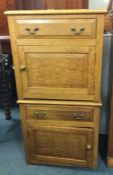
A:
(51, 11)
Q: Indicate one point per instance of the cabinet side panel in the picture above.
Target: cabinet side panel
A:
(99, 48)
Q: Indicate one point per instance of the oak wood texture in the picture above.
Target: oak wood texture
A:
(58, 77)
(68, 11)
(71, 145)
(59, 27)
(31, 129)
(93, 61)
(37, 81)
(45, 112)
(49, 102)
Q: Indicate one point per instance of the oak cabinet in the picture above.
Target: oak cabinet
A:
(57, 57)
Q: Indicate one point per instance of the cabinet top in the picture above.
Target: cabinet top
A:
(52, 11)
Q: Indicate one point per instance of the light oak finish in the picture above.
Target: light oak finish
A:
(51, 11)
(37, 81)
(57, 57)
(71, 145)
(54, 102)
(47, 112)
(59, 27)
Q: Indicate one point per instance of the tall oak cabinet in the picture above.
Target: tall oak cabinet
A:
(57, 58)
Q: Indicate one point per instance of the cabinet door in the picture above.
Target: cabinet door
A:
(57, 72)
(60, 145)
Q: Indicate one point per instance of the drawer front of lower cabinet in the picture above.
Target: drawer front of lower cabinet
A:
(67, 113)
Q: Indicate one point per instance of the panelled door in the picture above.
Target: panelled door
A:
(61, 145)
(57, 72)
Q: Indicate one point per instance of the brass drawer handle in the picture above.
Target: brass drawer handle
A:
(78, 116)
(89, 147)
(82, 29)
(77, 32)
(23, 68)
(32, 32)
(40, 114)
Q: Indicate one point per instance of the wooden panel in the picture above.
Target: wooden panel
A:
(63, 144)
(47, 75)
(77, 28)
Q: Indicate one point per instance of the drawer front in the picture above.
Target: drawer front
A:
(67, 113)
(80, 28)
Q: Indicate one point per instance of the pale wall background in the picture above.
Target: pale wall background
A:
(98, 4)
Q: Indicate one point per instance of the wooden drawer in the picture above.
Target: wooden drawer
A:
(78, 28)
(67, 113)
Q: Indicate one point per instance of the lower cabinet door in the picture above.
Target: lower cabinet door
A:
(60, 145)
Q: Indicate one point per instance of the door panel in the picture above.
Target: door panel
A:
(61, 145)
(57, 72)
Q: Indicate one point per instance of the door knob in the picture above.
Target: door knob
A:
(23, 67)
(89, 147)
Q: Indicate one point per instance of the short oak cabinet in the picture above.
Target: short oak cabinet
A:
(57, 58)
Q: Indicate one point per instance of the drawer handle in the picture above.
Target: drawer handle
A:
(23, 68)
(78, 116)
(40, 115)
(77, 32)
(89, 147)
(32, 32)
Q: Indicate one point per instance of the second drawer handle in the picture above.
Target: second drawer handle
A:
(78, 116)
(77, 32)
(32, 32)
(40, 115)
